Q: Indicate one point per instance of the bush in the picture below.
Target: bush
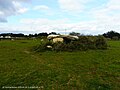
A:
(101, 43)
(42, 46)
(88, 42)
(115, 38)
(72, 46)
(84, 43)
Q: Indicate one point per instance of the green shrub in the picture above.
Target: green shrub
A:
(115, 38)
(58, 46)
(84, 43)
(101, 43)
(72, 46)
(88, 42)
(42, 46)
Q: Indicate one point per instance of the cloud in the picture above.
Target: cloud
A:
(3, 19)
(113, 5)
(11, 7)
(21, 0)
(41, 8)
(36, 25)
(105, 18)
(72, 5)
(43, 21)
(60, 25)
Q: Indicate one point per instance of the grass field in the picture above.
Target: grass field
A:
(83, 70)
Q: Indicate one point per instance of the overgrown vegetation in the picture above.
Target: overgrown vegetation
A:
(83, 43)
(42, 46)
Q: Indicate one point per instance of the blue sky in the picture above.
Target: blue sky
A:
(83, 16)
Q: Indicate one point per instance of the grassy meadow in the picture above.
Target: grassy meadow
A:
(79, 70)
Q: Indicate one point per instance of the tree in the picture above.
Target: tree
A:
(53, 33)
(43, 34)
(111, 34)
(12, 34)
(74, 33)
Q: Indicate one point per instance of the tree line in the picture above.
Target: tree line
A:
(110, 34)
(30, 35)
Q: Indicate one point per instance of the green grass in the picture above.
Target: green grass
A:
(84, 70)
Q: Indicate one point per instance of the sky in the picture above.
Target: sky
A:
(61, 16)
